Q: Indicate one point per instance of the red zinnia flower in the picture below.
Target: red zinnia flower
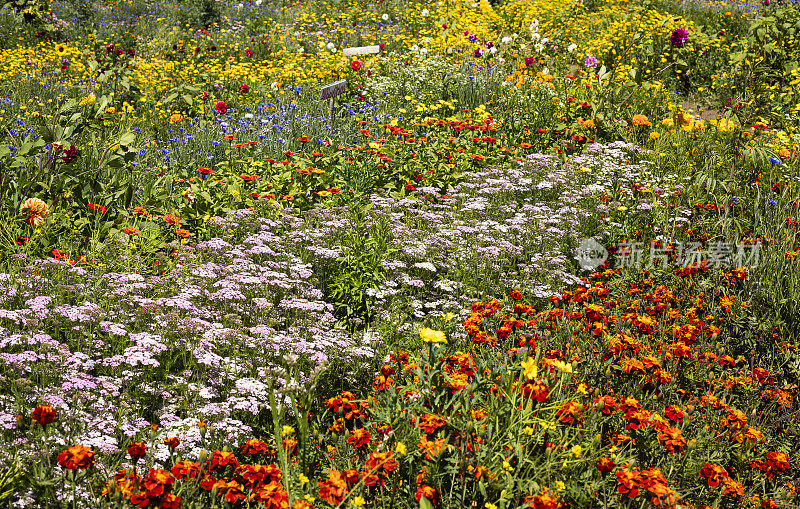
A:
(244, 89)
(355, 65)
(221, 107)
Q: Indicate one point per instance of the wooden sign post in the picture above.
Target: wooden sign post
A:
(330, 92)
(361, 50)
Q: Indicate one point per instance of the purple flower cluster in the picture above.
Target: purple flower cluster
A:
(679, 38)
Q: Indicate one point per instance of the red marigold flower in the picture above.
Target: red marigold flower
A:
(569, 413)
(137, 451)
(628, 483)
(186, 469)
(77, 457)
(221, 107)
(605, 464)
(714, 474)
(43, 414)
(221, 459)
(172, 443)
(360, 438)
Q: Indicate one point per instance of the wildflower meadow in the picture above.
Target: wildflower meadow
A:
(357, 254)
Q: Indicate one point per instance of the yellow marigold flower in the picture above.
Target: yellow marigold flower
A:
(655, 135)
(175, 118)
(561, 366)
(400, 448)
(529, 368)
(432, 336)
(88, 100)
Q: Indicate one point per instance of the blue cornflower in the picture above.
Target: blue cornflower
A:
(774, 160)
(773, 202)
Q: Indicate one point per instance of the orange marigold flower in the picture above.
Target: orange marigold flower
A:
(221, 459)
(429, 423)
(543, 501)
(732, 489)
(186, 469)
(172, 442)
(628, 483)
(431, 448)
(778, 461)
(333, 489)
(569, 413)
(734, 419)
(714, 474)
(430, 493)
(360, 438)
(672, 440)
(675, 413)
(36, 210)
(77, 457)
